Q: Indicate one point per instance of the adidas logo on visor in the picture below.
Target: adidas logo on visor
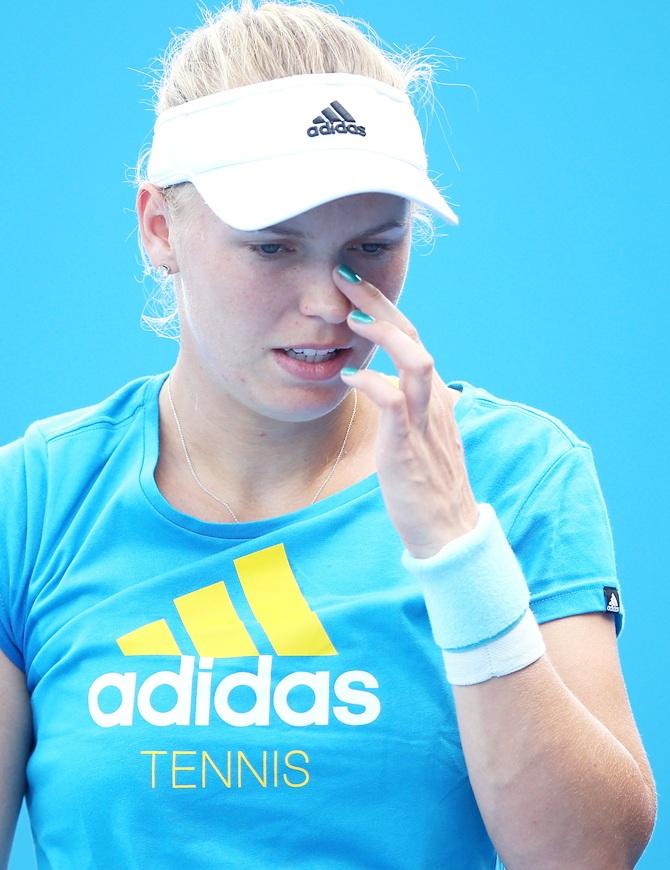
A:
(334, 119)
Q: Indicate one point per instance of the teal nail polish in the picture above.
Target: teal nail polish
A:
(348, 273)
(360, 316)
(347, 371)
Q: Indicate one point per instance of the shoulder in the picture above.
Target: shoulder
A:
(112, 410)
(516, 442)
(508, 414)
(55, 451)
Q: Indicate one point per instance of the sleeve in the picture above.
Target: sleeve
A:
(21, 464)
(562, 538)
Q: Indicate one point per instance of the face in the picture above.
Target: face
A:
(243, 294)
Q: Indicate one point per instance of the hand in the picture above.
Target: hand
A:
(419, 452)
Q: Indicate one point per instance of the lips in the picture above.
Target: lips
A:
(312, 371)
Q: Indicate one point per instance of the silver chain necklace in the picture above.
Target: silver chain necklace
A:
(210, 493)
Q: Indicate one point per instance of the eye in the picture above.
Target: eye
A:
(262, 249)
(381, 247)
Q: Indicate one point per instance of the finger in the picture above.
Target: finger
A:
(394, 424)
(413, 362)
(370, 299)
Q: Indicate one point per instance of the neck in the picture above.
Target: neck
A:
(247, 459)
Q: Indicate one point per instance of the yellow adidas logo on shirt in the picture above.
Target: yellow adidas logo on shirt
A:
(212, 623)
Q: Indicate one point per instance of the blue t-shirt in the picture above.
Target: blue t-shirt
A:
(259, 694)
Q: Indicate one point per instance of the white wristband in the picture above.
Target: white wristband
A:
(517, 649)
(478, 603)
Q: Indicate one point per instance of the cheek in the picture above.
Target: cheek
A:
(389, 277)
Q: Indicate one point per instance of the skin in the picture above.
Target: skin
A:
(240, 294)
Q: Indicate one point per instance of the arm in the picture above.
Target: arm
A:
(15, 742)
(554, 757)
(551, 747)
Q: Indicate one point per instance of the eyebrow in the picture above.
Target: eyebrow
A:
(286, 231)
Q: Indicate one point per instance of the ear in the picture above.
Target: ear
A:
(152, 219)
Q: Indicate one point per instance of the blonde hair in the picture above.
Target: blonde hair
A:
(245, 45)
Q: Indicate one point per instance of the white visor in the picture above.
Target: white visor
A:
(266, 152)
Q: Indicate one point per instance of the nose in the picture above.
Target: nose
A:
(321, 297)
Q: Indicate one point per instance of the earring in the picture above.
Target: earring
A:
(166, 271)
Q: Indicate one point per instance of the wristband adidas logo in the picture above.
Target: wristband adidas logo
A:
(334, 119)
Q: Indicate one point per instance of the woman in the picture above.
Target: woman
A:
(272, 608)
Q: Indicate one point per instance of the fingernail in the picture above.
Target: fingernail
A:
(348, 273)
(348, 371)
(360, 316)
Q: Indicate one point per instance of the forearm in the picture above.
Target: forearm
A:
(554, 786)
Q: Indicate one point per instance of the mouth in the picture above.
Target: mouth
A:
(313, 352)
(314, 347)
(313, 366)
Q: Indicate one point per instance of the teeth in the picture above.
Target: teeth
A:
(308, 354)
(309, 351)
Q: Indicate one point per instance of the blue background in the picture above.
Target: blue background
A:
(553, 291)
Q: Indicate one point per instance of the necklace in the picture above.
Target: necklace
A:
(210, 493)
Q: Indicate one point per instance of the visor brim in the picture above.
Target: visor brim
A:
(258, 194)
